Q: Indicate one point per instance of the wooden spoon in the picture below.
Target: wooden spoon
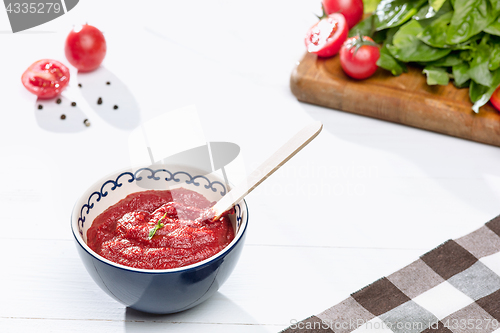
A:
(273, 163)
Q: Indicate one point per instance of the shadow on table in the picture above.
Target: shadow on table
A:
(110, 98)
(60, 115)
(431, 157)
(107, 95)
(192, 319)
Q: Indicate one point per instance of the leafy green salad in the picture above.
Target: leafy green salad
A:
(450, 39)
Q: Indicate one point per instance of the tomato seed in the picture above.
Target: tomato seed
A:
(73, 103)
(115, 107)
(40, 106)
(99, 101)
(86, 122)
(58, 101)
(63, 116)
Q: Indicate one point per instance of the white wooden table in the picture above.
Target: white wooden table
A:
(362, 200)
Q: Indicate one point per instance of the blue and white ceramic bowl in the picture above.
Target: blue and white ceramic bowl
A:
(156, 291)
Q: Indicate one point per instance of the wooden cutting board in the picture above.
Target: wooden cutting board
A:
(405, 99)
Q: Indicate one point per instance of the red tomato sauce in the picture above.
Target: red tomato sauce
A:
(121, 232)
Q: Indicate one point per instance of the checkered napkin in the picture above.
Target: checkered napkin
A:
(453, 288)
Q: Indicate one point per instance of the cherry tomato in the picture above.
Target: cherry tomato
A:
(85, 47)
(46, 78)
(351, 9)
(325, 38)
(358, 57)
(495, 99)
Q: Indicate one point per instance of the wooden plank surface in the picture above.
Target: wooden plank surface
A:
(363, 200)
(405, 99)
(46, 289)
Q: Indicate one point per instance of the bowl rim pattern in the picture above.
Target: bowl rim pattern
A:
(241, 214)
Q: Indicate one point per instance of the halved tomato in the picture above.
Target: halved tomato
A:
(326, 37)
(46, 78)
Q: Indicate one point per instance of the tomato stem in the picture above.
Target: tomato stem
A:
(323, 14)
(361, 41)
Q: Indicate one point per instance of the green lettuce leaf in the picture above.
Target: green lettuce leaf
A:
(494, 28)
(436, 4)
(408, 48)
(460, 74)
(388, 62)
(479, 66)
(470, 18)
(481, 96)
(370, 5)
(392, 13)
(436, 75)
(435, 33)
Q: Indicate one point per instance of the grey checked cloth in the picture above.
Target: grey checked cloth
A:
(453, 288)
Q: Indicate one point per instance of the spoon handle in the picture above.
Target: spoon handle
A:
(273, 163)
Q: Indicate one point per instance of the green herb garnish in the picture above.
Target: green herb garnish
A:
(158, 225)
